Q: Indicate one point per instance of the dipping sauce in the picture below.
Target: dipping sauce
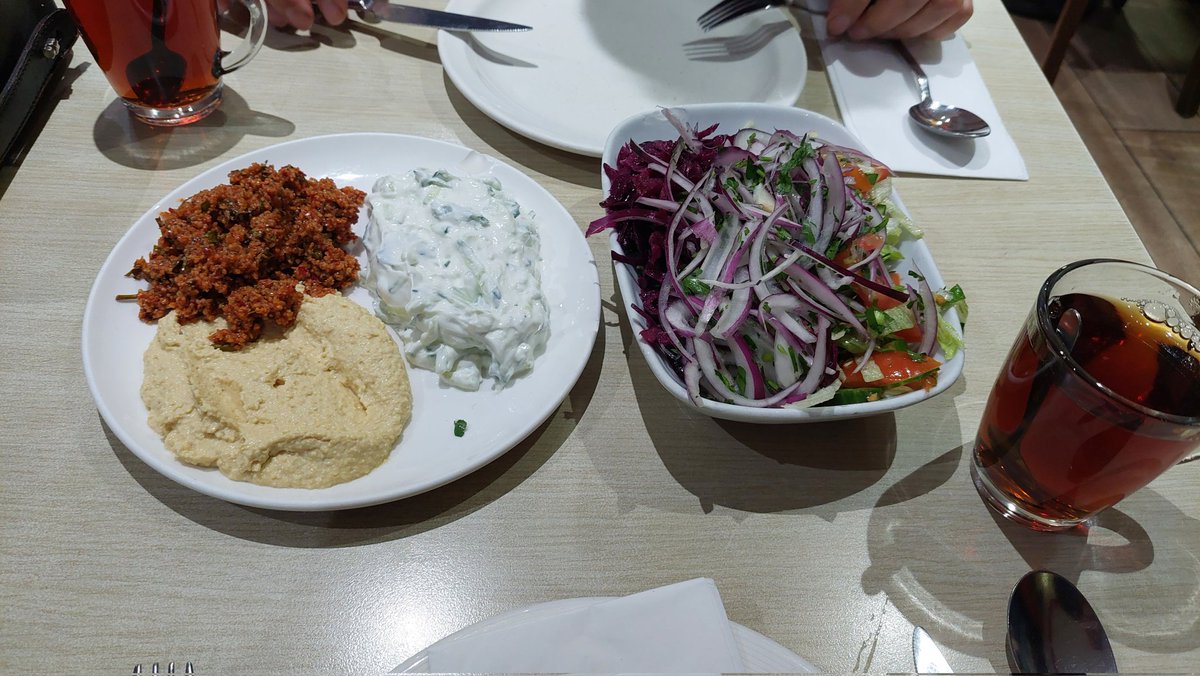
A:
(455, 264)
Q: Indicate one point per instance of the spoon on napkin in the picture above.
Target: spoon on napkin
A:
(940, 118)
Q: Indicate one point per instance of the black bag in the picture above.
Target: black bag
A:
(35, 45)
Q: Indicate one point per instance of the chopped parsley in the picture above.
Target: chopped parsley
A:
(755, 174)
(694, 286)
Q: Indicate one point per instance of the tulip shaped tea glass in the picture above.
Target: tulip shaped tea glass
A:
(1099, 395)
(164, 57)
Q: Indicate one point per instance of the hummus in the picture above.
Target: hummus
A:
(320, 404)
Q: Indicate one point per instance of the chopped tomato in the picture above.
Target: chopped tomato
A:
(897, 367)
(912, 335)
(868, 297)
(859, 248)
(863, 178)
(927, 383)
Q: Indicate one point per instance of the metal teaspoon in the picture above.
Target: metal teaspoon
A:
(940, 118)
(1052, 629)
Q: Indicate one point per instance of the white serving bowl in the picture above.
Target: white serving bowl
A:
(731, 117)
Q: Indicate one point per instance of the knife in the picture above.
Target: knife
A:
(926, 654)
(433, 18)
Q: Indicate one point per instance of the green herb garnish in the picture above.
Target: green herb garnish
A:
(694, 286)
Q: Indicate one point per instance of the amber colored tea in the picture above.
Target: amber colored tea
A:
(1059, 446)
(119, 32)
(164, 57)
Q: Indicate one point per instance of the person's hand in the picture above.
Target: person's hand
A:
(299, 13)
(897, 19)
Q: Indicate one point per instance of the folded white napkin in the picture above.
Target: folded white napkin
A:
(680, 628)
(874, 88)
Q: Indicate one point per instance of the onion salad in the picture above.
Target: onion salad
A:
(768, 269)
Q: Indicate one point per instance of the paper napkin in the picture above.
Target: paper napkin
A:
(874, 88)
(680, 628)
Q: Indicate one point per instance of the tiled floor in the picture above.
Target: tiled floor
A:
(1119, 84)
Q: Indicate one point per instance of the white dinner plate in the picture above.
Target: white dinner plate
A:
(428, 454)
(653, 125)
(759, 653)
(588, 64)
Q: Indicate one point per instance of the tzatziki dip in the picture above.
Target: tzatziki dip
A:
(455, 265)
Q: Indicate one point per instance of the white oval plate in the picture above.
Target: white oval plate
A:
(730, 118)
(588, 64)
(759, 653)
(428, 454)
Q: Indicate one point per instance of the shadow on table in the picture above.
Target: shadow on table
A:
(923, 51)
(1133, 557)
(521, 151)
(825, 468)
(935, 566)
(344, 37)
(133, 144)
(288, 40)
(396, 42)
(773, 468)
(391, 521)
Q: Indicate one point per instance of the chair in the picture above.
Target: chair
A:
(1064, 29)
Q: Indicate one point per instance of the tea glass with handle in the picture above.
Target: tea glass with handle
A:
(163, 57)
(1099, 395)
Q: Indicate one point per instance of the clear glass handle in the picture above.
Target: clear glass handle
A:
(255, 34)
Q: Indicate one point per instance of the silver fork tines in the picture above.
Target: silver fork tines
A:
(187, 669)
(736, 47)
(728, 10)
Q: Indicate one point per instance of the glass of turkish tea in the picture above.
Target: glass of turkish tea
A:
(1099, 395)
(163, 57)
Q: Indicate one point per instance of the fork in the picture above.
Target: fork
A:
(187, 669)
(736, 47)
(728, 10)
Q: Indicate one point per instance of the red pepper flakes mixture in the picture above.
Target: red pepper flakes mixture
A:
(238, 251)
